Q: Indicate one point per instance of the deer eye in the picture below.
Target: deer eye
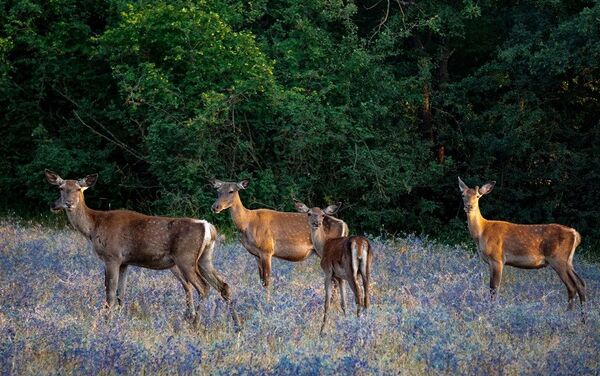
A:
(231, 191)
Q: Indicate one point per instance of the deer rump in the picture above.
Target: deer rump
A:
(346, 257)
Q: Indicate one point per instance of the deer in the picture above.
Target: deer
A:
(268, 233)
(121, 238)
(502, 243)
(343, 258)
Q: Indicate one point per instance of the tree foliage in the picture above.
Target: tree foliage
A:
(379, 105)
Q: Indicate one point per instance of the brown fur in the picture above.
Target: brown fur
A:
(523, 246)
(343, 259)
(121, 238)
(268, 233)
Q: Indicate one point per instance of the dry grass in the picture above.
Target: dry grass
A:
(430, 315)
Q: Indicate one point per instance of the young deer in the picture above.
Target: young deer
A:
(268, 233)
(122, 238)
(342, 258)
(523, 246)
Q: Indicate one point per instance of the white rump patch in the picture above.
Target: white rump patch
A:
(354, 248)
(207, 227)
(365, 247)
(576, 241)
(364, 258)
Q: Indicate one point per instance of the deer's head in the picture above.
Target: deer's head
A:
(226, 192)
(471, 196)
(316, 216)
(71, 191)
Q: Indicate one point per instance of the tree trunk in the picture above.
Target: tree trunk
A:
(426, 113)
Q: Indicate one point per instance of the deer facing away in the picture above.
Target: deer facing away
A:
(502, 243)
(121, 238)
(342, 258)
(268, 233)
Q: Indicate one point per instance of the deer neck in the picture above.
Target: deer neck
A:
(82, 218)
(239, 214)
(318, 238)
(476, 222)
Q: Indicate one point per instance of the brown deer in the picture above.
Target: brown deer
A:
(122, 238)
(502, 243)
(342, 258)
(268, 233)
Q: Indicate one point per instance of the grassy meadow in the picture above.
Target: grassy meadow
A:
(430, 314)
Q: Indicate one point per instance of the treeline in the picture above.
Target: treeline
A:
(378, 104)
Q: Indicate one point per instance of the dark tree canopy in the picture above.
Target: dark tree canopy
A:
(379, 104)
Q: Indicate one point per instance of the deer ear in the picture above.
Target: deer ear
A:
(243, 184)
(332, 209)
(88, 181)
(216, 183)
(461, 185)
(301, 207)
(487, 188)
(53, 177)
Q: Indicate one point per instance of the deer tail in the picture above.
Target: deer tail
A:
(208, 240)
(576, 242)
(576, 278)
(355, 250)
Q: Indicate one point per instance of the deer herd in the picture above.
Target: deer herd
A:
(185, 245)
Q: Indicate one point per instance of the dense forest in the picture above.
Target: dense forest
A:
(380, 104)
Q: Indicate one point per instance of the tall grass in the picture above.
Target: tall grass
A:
(430, 314)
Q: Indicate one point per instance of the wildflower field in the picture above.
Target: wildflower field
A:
(430, 314)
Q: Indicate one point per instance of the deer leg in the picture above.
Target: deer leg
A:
(186, 270)
(328, 278)
(122, 286)
(111, 281)
(266, 266)
(334, 285)
(256, 252)
(189, 293)
(208, 272)
(365, 285)
(260, 270)
(202, 285)
(579, 284)
(495, 277)
(342, 286)
(266, 269)
(366, 273)
(355, 247)
(190, 274)
(356, 290)
(359, 300)
(562, 271)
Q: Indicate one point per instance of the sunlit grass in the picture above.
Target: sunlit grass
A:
(430, 314)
